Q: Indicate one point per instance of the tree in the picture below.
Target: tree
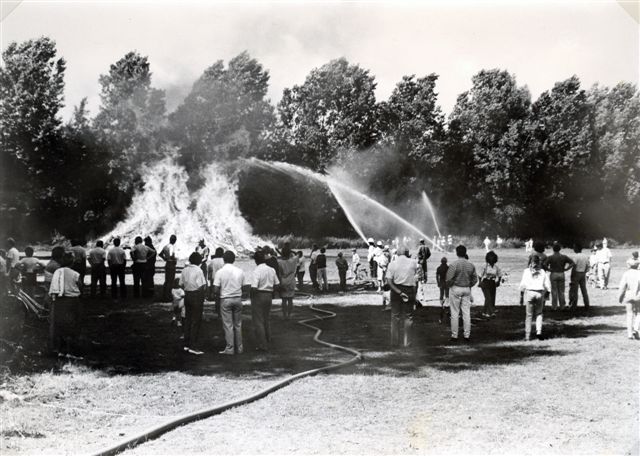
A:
(617, 150)
(334, 109)
(566, 175)
(132, 113)
(31, 95)
(226, 115)
(487, 120)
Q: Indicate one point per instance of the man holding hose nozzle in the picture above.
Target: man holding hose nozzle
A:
(402, 278)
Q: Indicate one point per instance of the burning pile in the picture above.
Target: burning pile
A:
(166, 206)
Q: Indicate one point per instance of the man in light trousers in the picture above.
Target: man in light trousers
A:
(227, 284)
(461, 276)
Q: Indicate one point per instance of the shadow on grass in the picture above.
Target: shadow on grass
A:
(136, 337)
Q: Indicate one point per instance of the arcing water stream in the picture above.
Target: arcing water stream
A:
(342, 192)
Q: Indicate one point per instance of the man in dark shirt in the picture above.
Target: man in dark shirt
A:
(441, 280)
(423, 255)
(321, 263)
(557, 264)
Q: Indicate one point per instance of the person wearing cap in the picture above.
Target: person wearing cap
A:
(402, 278)
(579, 278)
(194, 284)
(629, 295)
(382, 259)
(373, 266)
(263, 284)
(604, 264)
(461, 276)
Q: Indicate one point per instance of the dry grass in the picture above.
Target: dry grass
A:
(574, 393)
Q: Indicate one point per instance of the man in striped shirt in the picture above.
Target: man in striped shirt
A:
(461, 276)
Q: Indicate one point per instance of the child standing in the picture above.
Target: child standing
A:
(441, 280)
(386, 296)
(177, 295)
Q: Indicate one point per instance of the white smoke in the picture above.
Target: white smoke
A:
(165, 206)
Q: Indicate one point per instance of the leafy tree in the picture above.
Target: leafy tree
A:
(31, 95)
(132, 113)
(334, 109)
(566, 174)
(617, 150)
(226, 115)
(486, 120)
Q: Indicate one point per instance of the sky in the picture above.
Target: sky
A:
(540, 42)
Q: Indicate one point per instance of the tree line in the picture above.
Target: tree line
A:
(566, 165)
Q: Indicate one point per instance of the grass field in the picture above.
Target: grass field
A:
(577, 392)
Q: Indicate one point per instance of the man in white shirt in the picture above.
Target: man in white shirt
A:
(117, 260)
(13, 256)
(193, 282)
(263, 284)
(629, 295)
(402, 278)
(535, 287)
(65, 322)
(228, 284)
(168, 254)
(603, 256)
(97, 256)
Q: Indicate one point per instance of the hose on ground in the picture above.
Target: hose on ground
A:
(157, 431)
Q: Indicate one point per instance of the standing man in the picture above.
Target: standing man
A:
(423, 255)
(499, 241)
(487, 243)
(204, 252)
(97, 255)
(117, 260)
(373, 266)
(579, 278)
(79, 259)
(402, 278)
(461, 276)
(321, 264)
(629, 295)
(313, 269)
(557, 264)
(13, 256)
(228, 284)
(168, 254)
(604, 264)
(139, 254)
(343, 266)
(65, 317)
(262, 287)
(194, 284)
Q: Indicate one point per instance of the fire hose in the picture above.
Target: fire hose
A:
(157, 431)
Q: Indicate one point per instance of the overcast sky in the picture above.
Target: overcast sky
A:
(541, 42)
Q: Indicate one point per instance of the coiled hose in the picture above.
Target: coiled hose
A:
(157, 431)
